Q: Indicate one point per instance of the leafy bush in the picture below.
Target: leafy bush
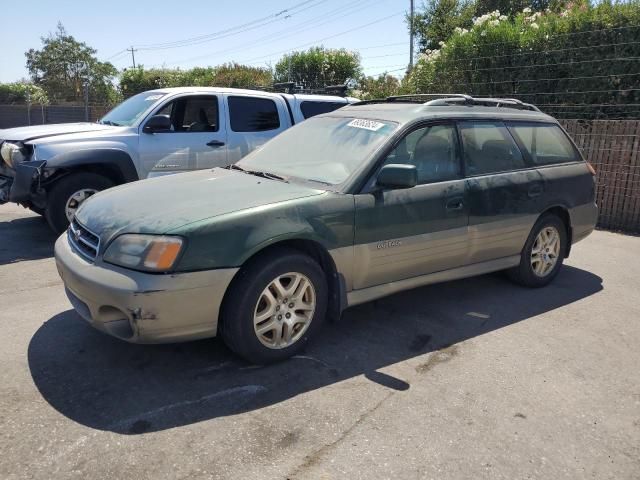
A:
(228, 75)
(580, 57)
(318, 67)
(22, 92)
(383, 86)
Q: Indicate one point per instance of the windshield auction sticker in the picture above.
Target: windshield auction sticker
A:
(366, 124)
(152, 97)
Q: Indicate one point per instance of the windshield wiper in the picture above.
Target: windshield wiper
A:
(259, 173)
(109, 122)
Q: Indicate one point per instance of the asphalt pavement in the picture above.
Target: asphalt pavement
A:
(476, 378)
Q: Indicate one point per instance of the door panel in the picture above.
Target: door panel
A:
(253, 120)
(502, 210)
(197, 140)
(504, 196)
(405, 233)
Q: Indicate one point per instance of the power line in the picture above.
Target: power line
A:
(260, 22)
(360, 27)
(617, 59)
(276, 36)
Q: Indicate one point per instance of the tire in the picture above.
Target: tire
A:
(246, 299)
(64, 189)
(38, 210)
(539, 273)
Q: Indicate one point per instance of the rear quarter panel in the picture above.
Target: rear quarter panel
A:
(573, 187)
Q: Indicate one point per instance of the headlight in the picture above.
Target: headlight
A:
(12, 153)
(153, 253)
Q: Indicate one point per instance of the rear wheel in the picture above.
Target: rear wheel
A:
(68, 193)
(543, 254)
(274, 306)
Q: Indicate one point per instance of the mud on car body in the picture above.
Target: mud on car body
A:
(347, 207)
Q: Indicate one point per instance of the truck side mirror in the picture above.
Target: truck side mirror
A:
(158, 123)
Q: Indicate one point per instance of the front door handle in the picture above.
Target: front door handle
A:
(535, 191)
(455, 204)
(215, 143)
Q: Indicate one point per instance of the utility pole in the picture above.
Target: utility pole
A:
(133, 57)
(411, 37)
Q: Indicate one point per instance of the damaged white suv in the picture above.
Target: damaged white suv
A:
(52, 169)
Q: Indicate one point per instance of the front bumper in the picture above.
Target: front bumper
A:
(23, 186)
(141, 307)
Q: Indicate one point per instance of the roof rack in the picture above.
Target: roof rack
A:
(292, 87)
(443, 99)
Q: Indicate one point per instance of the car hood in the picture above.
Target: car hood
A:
(25, 134)
(162, 204)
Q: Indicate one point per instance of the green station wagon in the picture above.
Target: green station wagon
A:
(347, 207)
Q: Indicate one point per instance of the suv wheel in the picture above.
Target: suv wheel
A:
(274, 306)
(543, 254)
(68, 193)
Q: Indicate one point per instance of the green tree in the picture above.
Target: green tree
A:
(21, 92)
(233, 75)
(63, 65)
(318, 67)
(438, 19)
(578, 62)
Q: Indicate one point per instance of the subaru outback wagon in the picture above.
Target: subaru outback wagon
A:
(346, 207)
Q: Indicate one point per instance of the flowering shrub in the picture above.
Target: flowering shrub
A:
(581, 55)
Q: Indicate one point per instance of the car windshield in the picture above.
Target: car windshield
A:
(322, 149)
(131, 109)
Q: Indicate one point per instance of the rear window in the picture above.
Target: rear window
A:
(311, 109)
(251, 114)
(546, 144)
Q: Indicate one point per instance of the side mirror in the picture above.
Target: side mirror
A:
(397, 175)
(158, 123)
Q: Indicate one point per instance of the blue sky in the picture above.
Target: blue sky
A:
(379, 32)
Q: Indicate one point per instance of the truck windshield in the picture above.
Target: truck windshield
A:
(322, 149)
(131, 109)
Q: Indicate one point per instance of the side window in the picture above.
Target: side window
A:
(200, 114)
(311, 108)
(192, 114)
(489, 148)
(546, 144)
(251, 114)
(433, 150)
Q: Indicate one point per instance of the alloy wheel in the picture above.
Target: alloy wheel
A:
(284, 310)
(545, 251)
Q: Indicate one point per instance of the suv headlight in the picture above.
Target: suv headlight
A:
(151, 253)
(13, 153)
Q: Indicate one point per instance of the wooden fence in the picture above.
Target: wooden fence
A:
(613, 148)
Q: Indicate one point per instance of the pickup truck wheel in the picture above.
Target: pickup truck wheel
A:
(274, 306)
(68, 193)
(542, 255)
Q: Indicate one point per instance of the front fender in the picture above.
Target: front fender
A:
(233, 239)
(111, 157)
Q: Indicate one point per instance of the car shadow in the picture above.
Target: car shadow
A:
(107, 384)
(25, 238)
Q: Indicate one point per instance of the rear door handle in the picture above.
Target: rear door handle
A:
(215, 143)
(455, 204)
(535, 191)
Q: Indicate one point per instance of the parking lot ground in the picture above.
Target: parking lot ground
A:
(475, 379)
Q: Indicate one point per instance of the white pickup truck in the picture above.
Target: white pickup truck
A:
(52, 169)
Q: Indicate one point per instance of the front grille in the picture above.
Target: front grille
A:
(83, 241)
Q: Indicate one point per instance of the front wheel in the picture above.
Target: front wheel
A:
(68, 193)
(543, 254)
(274, 306)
